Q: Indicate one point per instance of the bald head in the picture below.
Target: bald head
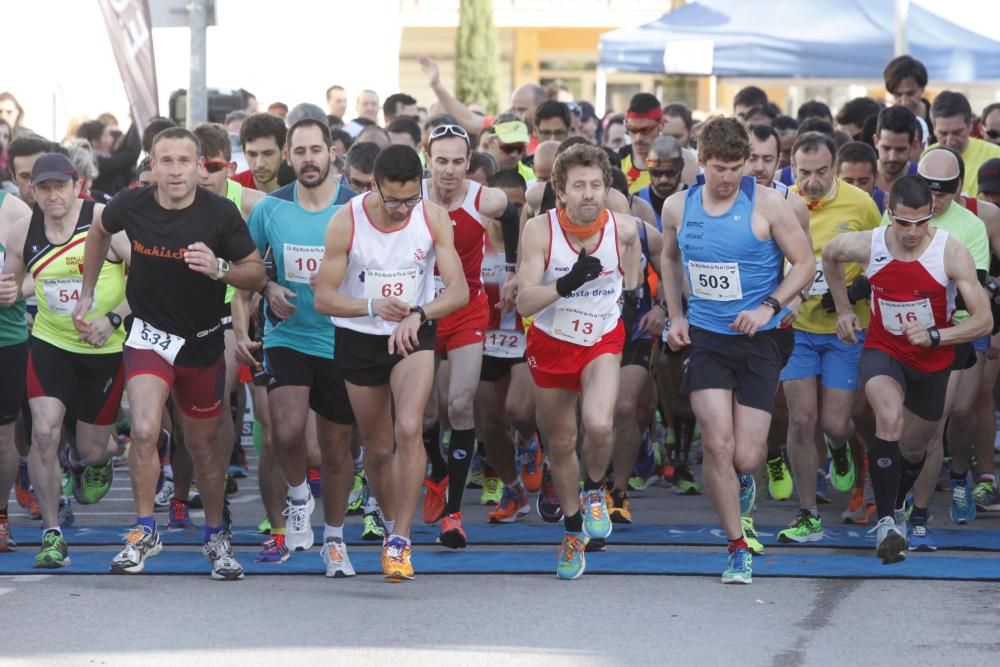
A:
(525, 99)
(665, 147)
(939, 164)
(545, 156)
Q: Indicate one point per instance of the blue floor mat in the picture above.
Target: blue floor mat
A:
(474, 561)
(837, 537)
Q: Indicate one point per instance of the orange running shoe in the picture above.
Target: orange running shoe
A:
(22, 486)
(513, 505)
(857, 510)
(7, 542)
(531, 457)
(452, 534)
(34, 510)
(435, 498)
(396, 564)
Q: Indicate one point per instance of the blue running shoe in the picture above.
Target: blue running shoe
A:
(596, 521)
(918, 538)
(740, 570)
(645, 463)
(273, 550)
(748, 493)
(180, 516)
(572, 562)
(963, 505)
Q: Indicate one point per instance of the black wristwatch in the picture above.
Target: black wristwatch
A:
(773, 303)
(418, 309)
(935, 336)
(115, 318)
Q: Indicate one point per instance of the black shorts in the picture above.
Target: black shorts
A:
(364, 358)
(327, 393)
(749, 366)
(89, 385)
(786, 343)
(227, 318)
(965, 357)
(637, 353)
(495, 369)
(923, 393)
(14, 362)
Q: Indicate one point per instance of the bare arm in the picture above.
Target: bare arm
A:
(787, 233)
(628, 242)
(990, 215)
(247, 273)
(473, 123)
(492, 202)
(672, 271)
(960, 268)
(326, 298)
(841, 250)
(643, 210)
(531, 295)
(456, 289)
(250, 199)
(12, 280)
(618, 203)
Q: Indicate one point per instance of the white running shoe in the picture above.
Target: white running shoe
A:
(298, 530)
(338, 564)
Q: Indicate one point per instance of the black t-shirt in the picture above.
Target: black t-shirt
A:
(162, 290)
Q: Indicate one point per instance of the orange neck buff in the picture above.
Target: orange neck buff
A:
(582, 232)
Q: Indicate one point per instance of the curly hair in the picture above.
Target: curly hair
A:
(580, 155)
(723, 138)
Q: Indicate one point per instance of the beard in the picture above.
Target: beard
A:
(324, 174)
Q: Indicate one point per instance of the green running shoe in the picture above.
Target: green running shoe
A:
(70, 482)
(842, 470)
(804, 528)
(748, 493)
(572, 562)
(684, 484)
(372, 527)
(750, 536)
(594, 507)
(95, 483)
(740, 570)
(264, 527)
(492, 491)
(54, 552)
(357, 495)
(779, 479)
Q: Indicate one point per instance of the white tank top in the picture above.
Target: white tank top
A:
(592, 311)
(382, 264)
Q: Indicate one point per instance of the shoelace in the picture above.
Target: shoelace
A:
(776, 468)
(395, 553)
(958, 497)
(840, 460)
(920, 530)
(594, 505)
(571, 545)
(297, 516)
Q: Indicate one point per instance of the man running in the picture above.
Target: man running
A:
(377, 281)
(729, 237)
(914, 269)
(187, 245)
(572, 264)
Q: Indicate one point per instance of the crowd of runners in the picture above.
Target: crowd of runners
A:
(552, 307)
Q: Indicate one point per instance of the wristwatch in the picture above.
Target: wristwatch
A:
(223, 269)
(418, 309)
(772, 303)
(115, 318)
(935, 336)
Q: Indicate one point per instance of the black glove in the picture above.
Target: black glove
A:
(630, 306)
(586, 268)
(859, 289)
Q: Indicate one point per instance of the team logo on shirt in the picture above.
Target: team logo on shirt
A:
(419, 255)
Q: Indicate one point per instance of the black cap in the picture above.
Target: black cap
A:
(587, 111)
(989, 176)
(52, 167)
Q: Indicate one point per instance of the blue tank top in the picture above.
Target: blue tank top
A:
(728, 268)
(645, 194)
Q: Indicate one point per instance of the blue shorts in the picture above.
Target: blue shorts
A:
(981, 344)
(827, 356)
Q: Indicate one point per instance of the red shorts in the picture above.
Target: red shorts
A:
(197, 391)
(245, 375)
(466, 326)
(556, 364)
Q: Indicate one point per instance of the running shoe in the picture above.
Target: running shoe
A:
(740, 569)
(238, 462)
(96, 481)
(963, 507)
(683, 479)
(231, 486)
(315, 481)
(779, 479)
(180, 516)
(748, 493)
(645, 462)
(166, 493)
(842, 468)
(750, 536)
(435, 498)
(492, 490)
(531, 458)
(219, 552)
(372, 528)
(273, 550)
(890, 541)
(858, 511)
(66, 516)
(513, 505)
(572, 562)
(338, 564)
(22, 485)
(596, 522)
(804, 528)
(640, 484)
(396, 565)
(7, 542)
(547, 504)
(264, 527)
(141, 543)
(476, 474)
(452, 534)
(298, 529)
(822, 489)
(359, 489)
(598, 544)
(918, 538)
(54, 552)
(34, 511)
(618, 508)
(71, 479)
(986, 496)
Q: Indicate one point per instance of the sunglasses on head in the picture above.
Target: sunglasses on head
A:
(215, 166)
(449, 130)
(910, 222)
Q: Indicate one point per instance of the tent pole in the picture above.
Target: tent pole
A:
(902, 11)
(601, 94)
(713, 93)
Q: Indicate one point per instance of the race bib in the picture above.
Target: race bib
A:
(401, 284)
(62, 295)
(144, 336)
(493, 273)
(301, 261)
(715, 281)
(578, 326)
(819, 286)
(438, 286)
(505, 344)
(897, 314)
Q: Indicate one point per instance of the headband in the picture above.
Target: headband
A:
(652, 114)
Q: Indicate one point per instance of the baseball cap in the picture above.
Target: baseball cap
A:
(586, 111)
(989, 176)
(52, 167)
(512, 132)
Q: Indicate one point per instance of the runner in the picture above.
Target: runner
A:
(187, 245)
(262, 137)
(376, 279)
(735, 360)
(75, 366)
(895, 137)
(914, 269)
(570, 278)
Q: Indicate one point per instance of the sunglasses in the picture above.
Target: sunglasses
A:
(644, 131)
(512, 148)
(910, 222)
(393, 204)
(993, 134)
(546, 135)
(215, 166)
(663, 173)
(449, 130)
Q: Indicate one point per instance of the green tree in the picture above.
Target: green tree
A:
(477, 55)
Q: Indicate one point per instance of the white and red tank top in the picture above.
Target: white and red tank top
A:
(505, 336)
(470, 236)
(381, 264)
(910, 291)
(592, 311)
